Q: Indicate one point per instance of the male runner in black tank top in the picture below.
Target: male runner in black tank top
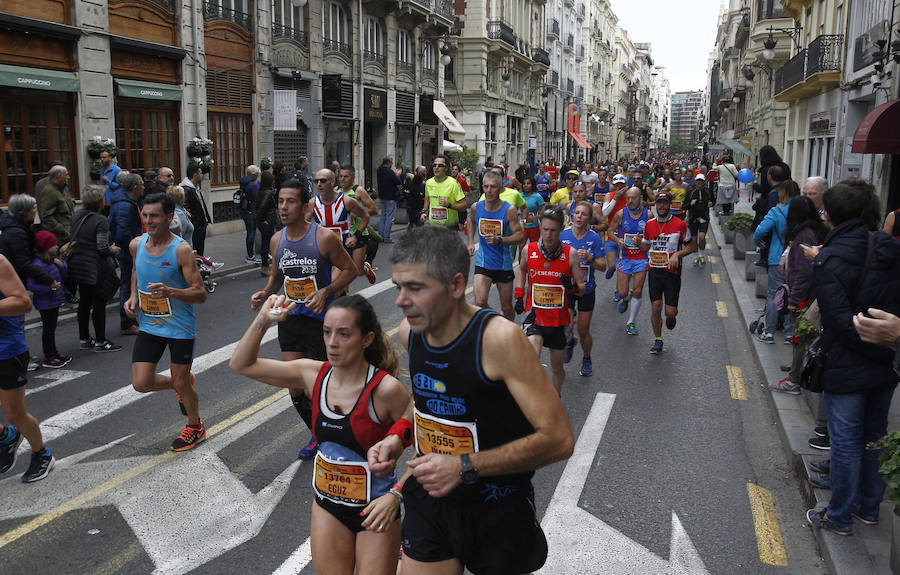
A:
(485, 414)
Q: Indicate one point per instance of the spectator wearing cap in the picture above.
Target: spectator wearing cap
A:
(564, 195)
(48, 299)
(615, 201)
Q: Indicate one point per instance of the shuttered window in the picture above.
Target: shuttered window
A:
(230, 134)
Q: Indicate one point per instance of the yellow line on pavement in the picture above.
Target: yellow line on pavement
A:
(768, 533)
(736, 382)
(721, 309)
(712, 259)
(80, 500)
(714, 278)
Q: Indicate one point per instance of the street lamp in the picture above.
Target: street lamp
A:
(769, 44)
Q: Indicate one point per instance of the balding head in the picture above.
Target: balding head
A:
(814, 188)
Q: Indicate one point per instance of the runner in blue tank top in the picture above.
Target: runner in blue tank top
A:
(497, 226)
(304, 255)
(592, 256)
(165, 285)
(14, 302)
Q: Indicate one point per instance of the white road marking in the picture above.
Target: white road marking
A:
(376, 289)
(298, 560)
(62, 423)
(55, 377)
(568, 527)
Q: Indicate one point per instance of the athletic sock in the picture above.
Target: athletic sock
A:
(633, 308)
(659, 339)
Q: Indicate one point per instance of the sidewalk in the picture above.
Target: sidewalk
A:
(868, 550)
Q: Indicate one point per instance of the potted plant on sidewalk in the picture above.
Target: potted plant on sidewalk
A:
(739, 225)
(890, 471)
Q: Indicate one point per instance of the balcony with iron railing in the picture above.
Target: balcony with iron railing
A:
(541, 56)
(816, 67)
(280, 32)
(213, 11)
(824, 55)
(553, 29)
(430, 74)
(337, 47)
(440, 7)
(500, 30)
(791, 74)
(743, 30)
(370, 57)
(408, 68)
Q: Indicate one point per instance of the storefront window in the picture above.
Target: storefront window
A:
(405, 148)
(35, 131)
(147, 137)
(231, 146)
(338, 141)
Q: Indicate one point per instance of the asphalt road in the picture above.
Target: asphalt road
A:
(668, 469)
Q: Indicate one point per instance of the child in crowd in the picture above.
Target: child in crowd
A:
(47, 299)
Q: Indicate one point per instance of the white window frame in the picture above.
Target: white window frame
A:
(334, 23)
(428, 60)
(284, 13)
(374, 36)
(404, 47)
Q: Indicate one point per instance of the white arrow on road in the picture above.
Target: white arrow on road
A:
(581, 543)
(193, 493)
(55, 377)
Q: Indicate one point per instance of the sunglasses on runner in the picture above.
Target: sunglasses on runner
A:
(320, 180)
(439, 165)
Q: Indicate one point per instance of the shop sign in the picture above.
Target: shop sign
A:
(376, 106)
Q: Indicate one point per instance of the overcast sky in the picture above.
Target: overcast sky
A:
(681, 35)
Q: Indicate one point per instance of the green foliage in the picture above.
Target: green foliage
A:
(890, 465)
(467, 158)
(678, 147)
(739, 222)
(265, 163)
(804, 332)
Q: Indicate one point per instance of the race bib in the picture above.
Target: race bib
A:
(154, 307)
(631, 241)
(341, 482)
(436, 435)
(301, 289)
(586, 272)
(438, 214)
(599, 198)
(659, 259)
(676, 205)
(489, 227)
(548, 296)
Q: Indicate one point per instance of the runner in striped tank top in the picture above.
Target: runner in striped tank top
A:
(334, 211)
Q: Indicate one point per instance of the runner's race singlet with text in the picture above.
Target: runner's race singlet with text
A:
(629, 230)
(12, 338)
(665, 239)
(162, 317)
(545, 292)
(458, 410)
(305, 270)
(492, 256)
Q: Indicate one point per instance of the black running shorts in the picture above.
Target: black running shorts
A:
(697, 226)
(496, 538)
(14, 371)
(302, 334)
(149, 349)
(664, 284)
(497, 276)
(583, 302)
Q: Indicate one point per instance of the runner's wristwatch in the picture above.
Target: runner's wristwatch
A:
(468, 475)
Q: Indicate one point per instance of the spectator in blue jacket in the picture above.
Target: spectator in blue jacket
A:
(125, 224)
(109, 175)
(770, 233)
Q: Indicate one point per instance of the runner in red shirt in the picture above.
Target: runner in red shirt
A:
(666, 240)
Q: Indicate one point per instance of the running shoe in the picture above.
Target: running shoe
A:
(105, 346)
(181, 403)
(630, 328)
(671, 320)
(190, 438)
(41, 464)
(250, 260)
(610, 272)
(657, 347)
(822, 443)
(703, 261)
(370, 273)
(568, 357)
(66, 359)
(53, 362)
(785, 386)
(696, 261)
(623, 303)
(587, 369)
(8, 448)
(33, 364)
(766, 338)
(821, 430)
(788, 340)
(616, 298)
(86, 343)
(820, 519)
(309, 451)
(257, 259)
(821, 466)
(218, 265)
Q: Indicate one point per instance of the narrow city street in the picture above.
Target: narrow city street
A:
(678, 467)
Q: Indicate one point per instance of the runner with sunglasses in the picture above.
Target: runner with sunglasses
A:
(444, 198)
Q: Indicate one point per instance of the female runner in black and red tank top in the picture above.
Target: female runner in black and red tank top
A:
(355, 402)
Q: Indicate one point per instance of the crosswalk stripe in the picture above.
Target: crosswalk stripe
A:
(299, 559)
(721, 309)
(736, 382)
(768, 533)
(714, 278)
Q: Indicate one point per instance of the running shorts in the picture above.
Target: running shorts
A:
(497, 276)
(612, 247)
(664, 284)
(584, 302)
(698, 226)
(496, 538)
(14, 371)
(631, 267)
(348, 516)
(532, 234)
(302, 334)
(149, 348)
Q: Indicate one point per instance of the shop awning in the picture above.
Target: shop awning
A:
(38, 79)
(579, 139)
(148, 90)
(451, 146)
(736, 146)
(447, 119)
(878, 133)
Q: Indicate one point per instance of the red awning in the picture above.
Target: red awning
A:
(878, 132)
(579, 139)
